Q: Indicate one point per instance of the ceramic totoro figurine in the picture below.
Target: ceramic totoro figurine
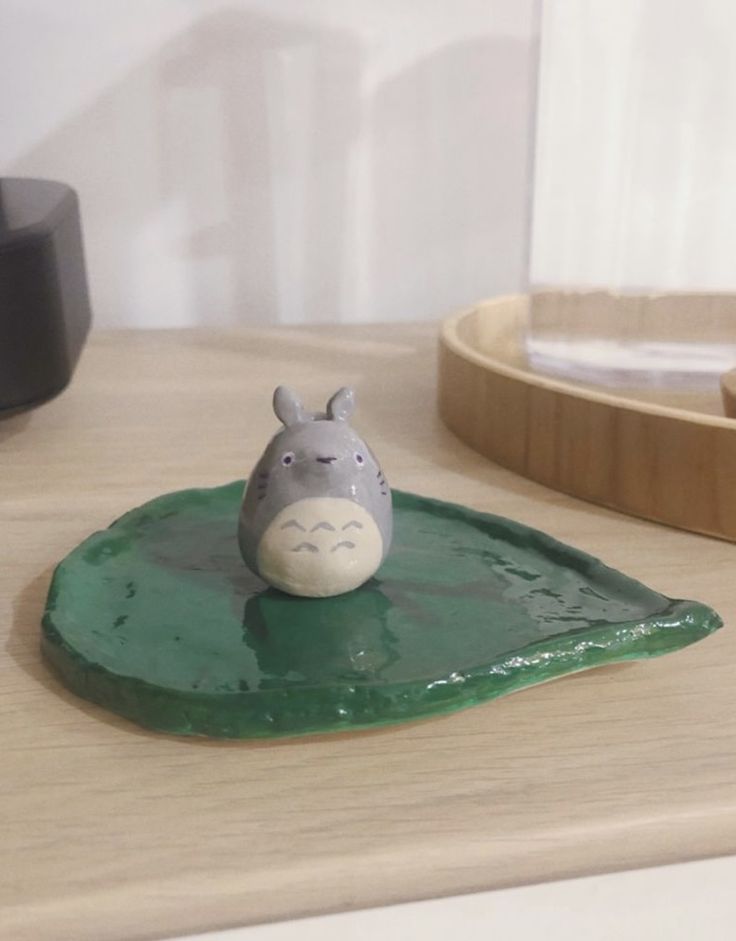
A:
(316, 515)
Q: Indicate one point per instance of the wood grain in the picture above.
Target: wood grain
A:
(110, 832)
(728, 392)
(663, 454)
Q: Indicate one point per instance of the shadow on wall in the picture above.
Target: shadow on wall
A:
(245, 174)
(451, 186)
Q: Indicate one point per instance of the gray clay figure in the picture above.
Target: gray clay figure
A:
(316, 515)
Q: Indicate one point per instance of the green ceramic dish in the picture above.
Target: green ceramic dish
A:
(157, 619)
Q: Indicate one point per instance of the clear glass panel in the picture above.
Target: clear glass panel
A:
(635, 196)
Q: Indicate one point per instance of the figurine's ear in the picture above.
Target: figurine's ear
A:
(287, 406)
(341, 405)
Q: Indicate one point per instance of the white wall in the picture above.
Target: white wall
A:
(279, 160)
(636, 145)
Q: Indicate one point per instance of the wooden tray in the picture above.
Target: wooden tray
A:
(626, 440)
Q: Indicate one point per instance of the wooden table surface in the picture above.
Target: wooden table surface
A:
(111, 832)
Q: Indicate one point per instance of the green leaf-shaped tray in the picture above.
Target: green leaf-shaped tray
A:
(157, 619)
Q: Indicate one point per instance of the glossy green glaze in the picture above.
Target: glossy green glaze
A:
(158, 620)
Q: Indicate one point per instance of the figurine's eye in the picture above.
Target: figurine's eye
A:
(288, 458)
(359, 459)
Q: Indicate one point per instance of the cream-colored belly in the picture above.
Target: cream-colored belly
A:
(320, 546)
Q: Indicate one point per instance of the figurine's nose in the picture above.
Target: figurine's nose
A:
(326, 460)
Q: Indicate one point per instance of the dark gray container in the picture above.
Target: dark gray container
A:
(44, 302)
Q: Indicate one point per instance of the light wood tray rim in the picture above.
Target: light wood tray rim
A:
(450, 336)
